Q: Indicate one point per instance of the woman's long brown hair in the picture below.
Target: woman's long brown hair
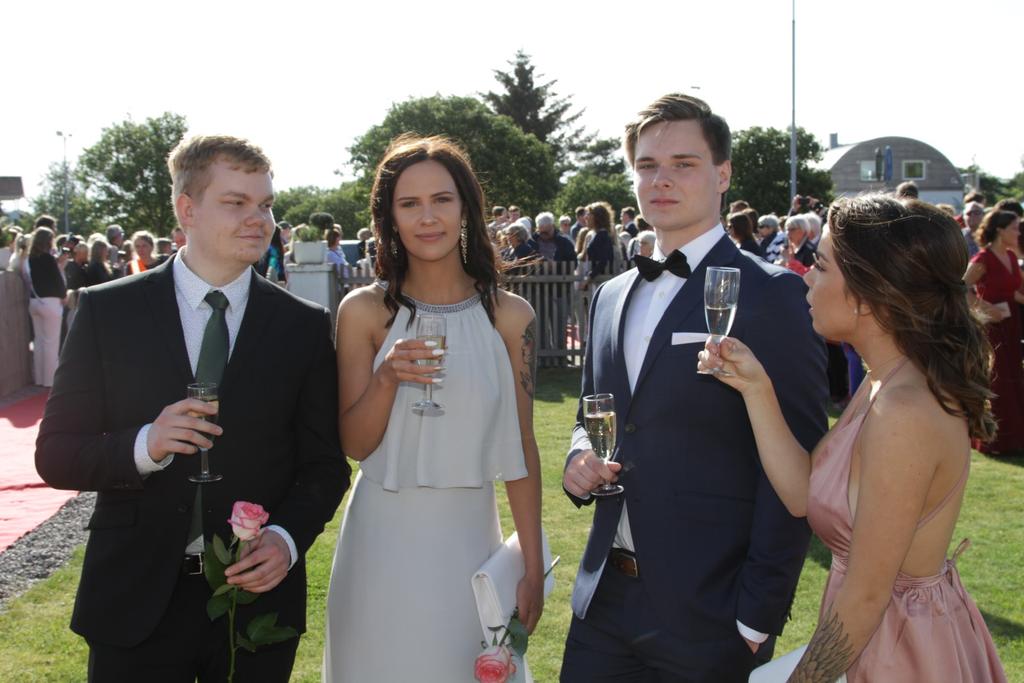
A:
(392, 258)
(906, 260)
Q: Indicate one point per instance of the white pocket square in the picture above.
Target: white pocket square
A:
(689, 338)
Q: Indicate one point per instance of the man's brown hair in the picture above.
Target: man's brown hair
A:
(678, 107)
(189, 162)
(975, 196)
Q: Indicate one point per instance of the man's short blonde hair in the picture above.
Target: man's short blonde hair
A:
(190, 161)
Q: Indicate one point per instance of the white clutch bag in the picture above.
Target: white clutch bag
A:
(494, 586)
(779, 669)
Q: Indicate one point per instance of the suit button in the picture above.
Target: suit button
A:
(630, 428)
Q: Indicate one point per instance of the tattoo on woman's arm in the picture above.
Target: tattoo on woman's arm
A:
(528, 375)
(828, 655)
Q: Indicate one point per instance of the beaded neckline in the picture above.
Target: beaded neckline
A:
(424, 307)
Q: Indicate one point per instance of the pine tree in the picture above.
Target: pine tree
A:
(537, 109)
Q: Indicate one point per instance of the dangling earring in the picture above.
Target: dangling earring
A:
(464, 242)
(394, 245)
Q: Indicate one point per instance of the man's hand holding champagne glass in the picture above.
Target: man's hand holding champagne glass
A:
(177, 430)
(586, 472)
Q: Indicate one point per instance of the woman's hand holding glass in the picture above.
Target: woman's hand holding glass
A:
(400, 365)
(733, 356)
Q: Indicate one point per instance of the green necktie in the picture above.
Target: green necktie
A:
(213, 354)
(213, 357)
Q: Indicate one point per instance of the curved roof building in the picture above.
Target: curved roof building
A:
(883, 163)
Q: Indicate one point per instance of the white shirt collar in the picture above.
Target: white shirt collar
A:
(195, 289)
(695, 250)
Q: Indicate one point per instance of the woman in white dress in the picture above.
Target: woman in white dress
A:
(422, 516)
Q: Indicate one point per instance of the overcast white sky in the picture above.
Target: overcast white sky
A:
(303, 79)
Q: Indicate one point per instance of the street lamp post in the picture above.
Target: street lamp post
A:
(65, 136)
(792, 130)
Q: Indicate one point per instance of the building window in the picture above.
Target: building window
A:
(867, 171)
(913, 170)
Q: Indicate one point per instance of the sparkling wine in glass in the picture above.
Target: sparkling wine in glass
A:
(205, 392)
(430, 328)
(599, 421)
(721, 294)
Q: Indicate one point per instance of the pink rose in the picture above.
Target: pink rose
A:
(246, 520)
(494, 665)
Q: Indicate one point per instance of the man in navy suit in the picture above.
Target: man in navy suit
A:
(689, 574)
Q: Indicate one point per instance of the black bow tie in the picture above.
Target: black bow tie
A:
(651, 269)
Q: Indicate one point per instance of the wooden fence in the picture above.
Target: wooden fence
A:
(558, 296)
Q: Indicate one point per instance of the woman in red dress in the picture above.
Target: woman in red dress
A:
(995, 275)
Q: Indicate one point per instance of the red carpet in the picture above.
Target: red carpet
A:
(25, 501)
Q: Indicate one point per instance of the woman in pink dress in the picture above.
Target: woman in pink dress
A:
(884, 487)
(995, 274)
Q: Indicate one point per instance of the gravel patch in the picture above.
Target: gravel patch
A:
(45, 549)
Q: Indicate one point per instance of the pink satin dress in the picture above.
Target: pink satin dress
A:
(931, 629)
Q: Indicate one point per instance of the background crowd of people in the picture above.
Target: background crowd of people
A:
(54, 266)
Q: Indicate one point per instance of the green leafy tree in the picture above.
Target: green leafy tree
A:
(760, 169)
(588, 186)
(513, 167)
(82, 213)
(603, 156)
(1016, 186)
(293, 204)
(995, 188)
(537, 109)
(601, 176)
(349, 204)
(126, 174)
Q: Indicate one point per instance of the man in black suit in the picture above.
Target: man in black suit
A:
(628, 219)
(75, 270)
(117, 422)
(690, 571)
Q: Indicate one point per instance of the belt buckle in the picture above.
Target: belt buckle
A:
(198, 559)
(625, 563)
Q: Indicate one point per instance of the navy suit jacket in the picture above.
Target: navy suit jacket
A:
(713, 541)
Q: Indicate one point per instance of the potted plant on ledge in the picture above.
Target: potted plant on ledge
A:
(308, 246)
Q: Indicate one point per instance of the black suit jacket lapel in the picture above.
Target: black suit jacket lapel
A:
(623, 395)
(258, 313)
(682, 307)
(163, 306)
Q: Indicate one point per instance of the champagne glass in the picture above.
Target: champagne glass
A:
(721, 294)
(207, 392)
(599, 421)
(430, 328)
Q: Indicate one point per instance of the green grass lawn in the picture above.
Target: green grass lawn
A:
(36, 645)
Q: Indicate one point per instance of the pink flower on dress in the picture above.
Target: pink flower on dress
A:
(494, 665)
(246, 520)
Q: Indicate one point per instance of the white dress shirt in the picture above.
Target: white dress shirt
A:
(648, 304)
(190, 291)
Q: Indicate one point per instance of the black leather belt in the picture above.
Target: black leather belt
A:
(192, 565)
(624, 562)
